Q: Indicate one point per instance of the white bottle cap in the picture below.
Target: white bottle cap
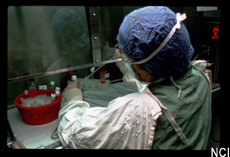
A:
(44, 87)
(57, 89)
(52, 82)
(57, 93)
(92, 69)
(26, 92)
(40, 87)
(53, 96)
(74, 77)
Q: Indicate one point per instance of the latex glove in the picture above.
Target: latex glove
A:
(73, 91)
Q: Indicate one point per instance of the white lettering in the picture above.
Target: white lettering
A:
(220, 152)
(213, 151)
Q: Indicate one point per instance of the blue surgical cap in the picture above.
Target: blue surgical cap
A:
(144, 29)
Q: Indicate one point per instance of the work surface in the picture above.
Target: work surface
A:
(39, 136)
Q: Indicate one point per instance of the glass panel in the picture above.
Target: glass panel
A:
(110, 19)
(46, 38)
(14, 89)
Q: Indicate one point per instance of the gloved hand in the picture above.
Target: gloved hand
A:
(73, 91)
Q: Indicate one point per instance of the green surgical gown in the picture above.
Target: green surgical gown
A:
(192, 111)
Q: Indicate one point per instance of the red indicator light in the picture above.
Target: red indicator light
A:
(215, 31)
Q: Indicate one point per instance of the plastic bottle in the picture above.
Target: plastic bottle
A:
(45, 92)
(52, 85)
(92, 70)
(32, 85)
(26, 94)
(22, 100)
(57, 89)
(102, 77)
(57, 93)
(73, 77)
(53, 97)
(45, 89)
(40, 87)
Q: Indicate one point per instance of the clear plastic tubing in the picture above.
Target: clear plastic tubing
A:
(110, 61)
(87, 77)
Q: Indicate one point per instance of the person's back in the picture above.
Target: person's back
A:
(192, 111)
(159, 43)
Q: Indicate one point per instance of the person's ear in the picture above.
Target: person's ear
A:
(144, 76)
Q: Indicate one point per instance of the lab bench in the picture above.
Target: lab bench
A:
(39, 136)
(31, 136)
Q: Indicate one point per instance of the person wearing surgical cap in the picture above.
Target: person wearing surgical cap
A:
(171, 105)
(180, 87)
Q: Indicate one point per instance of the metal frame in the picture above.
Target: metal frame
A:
(95, 38)
(21, 78)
